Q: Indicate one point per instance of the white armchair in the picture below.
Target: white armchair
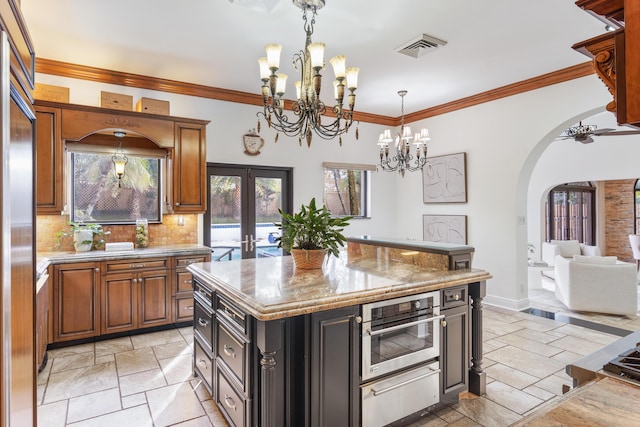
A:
(567, 249)
(597, 284)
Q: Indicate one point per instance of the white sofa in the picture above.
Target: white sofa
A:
(596, 283)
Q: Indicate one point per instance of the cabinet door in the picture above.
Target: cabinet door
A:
(119, 302)
(335, 372)
(154, 306)
(189, 169)
(42, 321)
(454, 351)
(49, 162)
(76, 301)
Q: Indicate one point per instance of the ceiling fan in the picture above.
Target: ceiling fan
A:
(583, 133)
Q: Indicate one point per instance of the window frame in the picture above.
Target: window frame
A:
(159, 154)
(580, 187)
(365, 184)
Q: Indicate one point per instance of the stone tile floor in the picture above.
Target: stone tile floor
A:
(146, 380)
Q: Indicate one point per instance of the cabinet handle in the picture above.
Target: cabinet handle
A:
(444, 323)
(188, 281)
(136, 265)
(456, 297)
(229, 351)
(358, 319)
(230, 313)
(189, 261)
(229, 402)
(203, 363)
(189, 307)
(202, 322)
(177, 203)
(97, 270)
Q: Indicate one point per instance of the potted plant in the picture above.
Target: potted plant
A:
(310, 234)
(83, 236)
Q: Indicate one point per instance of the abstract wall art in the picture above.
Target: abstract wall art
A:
(444, 179)
(445, 228)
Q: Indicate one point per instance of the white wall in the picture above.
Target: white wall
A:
(229, 121)
(614, 157)
(503, 140)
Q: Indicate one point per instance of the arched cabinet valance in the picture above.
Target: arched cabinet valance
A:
(183, 139)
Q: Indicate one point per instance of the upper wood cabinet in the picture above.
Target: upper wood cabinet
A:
(49, 161)
(189, 191)
(184, 140)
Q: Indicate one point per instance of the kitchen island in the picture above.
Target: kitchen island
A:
(277, 346)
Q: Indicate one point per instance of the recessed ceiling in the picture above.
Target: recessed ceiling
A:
(490, 43)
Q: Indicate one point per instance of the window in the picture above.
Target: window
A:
(96, 196)
(346, 188)
(571, 213)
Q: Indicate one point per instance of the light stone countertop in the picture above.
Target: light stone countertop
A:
(271, 288)
(44, 259)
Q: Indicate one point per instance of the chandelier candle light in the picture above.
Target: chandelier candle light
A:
(401, 162)
(308, 107)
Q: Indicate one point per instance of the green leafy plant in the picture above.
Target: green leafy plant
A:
(96, 230)
(312, 228)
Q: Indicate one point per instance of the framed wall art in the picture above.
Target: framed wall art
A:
(445, 228)
(444, 179)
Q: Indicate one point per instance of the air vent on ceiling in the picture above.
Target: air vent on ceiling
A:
(420, 45)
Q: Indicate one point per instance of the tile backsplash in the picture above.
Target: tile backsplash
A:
(168, 233)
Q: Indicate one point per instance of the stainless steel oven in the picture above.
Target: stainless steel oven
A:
(399, 333)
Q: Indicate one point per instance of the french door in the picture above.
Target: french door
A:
(242, 209)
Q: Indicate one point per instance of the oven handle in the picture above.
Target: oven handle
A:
(404, 325)
(403, 383)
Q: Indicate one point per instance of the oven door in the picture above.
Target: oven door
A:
(400, 346)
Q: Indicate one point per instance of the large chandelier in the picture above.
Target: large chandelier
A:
(308, 108)
(403, 159)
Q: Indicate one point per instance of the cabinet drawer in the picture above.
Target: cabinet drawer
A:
(136, 264)
(184, 309)
(232, 314)
(233, 404)
(203, 365)
(203, 323)
(232, 351)
(184, 282)
(185, 261)
(454, 297)
(203, 292)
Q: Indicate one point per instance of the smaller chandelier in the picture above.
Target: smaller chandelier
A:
(119, 159)
(403, 159)
(308, 108)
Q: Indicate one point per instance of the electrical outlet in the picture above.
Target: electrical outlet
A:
(522, 220)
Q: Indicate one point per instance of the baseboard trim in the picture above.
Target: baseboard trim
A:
(510, 304)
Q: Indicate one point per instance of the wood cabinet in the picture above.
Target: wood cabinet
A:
(42, 321)
(76, 301)
(189, 180)
(335, 369)
(454, 344)
(182, 293)
(183, 139)
(135, 294)
(49, 161)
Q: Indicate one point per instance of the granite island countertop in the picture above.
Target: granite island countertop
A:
(271, 288)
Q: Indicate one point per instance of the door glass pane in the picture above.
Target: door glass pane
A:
(268, 200)
(225, 206)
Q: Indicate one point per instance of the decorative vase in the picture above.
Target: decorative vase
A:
(82, 240)
(142, 233)
(308, 259)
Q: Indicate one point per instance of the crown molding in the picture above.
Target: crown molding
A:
(83, 72)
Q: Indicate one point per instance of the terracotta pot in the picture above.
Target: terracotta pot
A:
(308, 259)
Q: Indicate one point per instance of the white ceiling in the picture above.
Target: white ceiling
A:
(490, 43)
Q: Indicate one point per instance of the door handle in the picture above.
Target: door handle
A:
(248, 242)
